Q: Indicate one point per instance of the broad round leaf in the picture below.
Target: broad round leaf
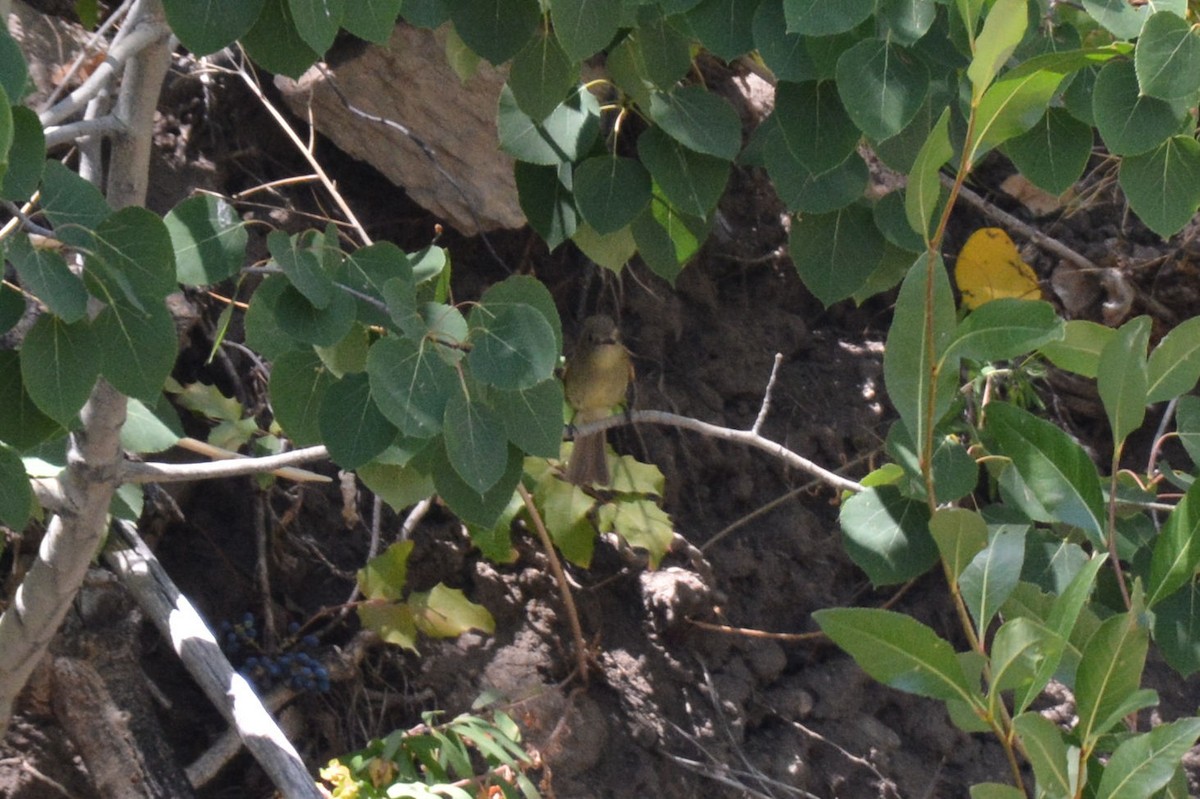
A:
(513, 346)
(410, 385)
(882, 86)
(1129, 121)
(73, 206)
(835, 253)
(317, 21)
(693, 183)
(610, 191)
(1054, 152)
(209, 240)
(526, 290)
(302, 267)
(45, 274)
(784, 53)
(887, 535)
(14, 72)
(138, 348)
(476, 444)
(467, 503)
(541, 76)
(495, 29)
(583, 27)
(16, 497)
(811, 125)
(1163, 185)
(1167, 57)
(723, 26)
(351, 424)
(803, 191)
(275, 43)
(548, 205)
(610, 250)
(533, 417)
(298, 384)
(26, 158)
(665, 52)
(699, 120)
(303, 321)
(206, 26)
(22, 425)
(565, 135)
(906, 21)
(59, 365)
(821, 18)
(373, 20)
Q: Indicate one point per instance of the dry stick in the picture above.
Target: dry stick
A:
(560, 577)
(178, 621)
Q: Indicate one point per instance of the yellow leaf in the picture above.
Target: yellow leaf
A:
(989, 267)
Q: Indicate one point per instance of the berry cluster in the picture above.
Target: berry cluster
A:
(291, 665)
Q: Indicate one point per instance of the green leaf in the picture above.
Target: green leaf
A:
(906, 21)
(699, 120)
(26, 158)
(147, 430)
(995, 790)
(898, 651)
(835, 253)
(138, 348)
(881, 85)
(1130, 122)
(565, 135)
(476, 443)
(655, 245)
(1047, 751)
(784, 53)
(960, 535)
(302, 267)
(1176, 549)
(495, 29)
(134, 244)
(1002, 31)
(541, 76)
(1109, 675)
(60, 362)
(1167, 57)
(1054, 152)
(887, 535)
(526, 290)
(351, 425)
(209, 240)
(1145, 763)
(533, 417)
(1187, 425)
(385, 576)
(723, 26)
(693, 183)
(298, 384)
(992, 575)
(392, 622)
(373, 20)
(12, 307)
(447, 613)
(468, 504)
(808, 193)
(1163, 185)
(1122, 378)
(812, 126)
(317, 21)
(1174, 364)
(1123, 20)
(1079, 350)
(1006, 328)
(920, 381)
(610, 191)
(274, 42)
(584, 27)
(399, 486)
(642, 524)
(512, 346)
(1024, 656)
(610, 250)
(303, 321)
(1065, 612)
(410, 385)
(892, 220)
(924, 190)
(665, 53)
(73, 206)
(16, 497)
(45, 274)
(1176, 627)
(14, 73)
(206, 26)
(22, 425)
(1055, 468)
(818, 18)
(548, 205)
(566, 510)
(425, 13)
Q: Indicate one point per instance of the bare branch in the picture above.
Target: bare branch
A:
(183, 472)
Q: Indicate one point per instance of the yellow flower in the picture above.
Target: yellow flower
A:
(344, 784)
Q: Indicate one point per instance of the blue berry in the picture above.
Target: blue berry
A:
(311, 641)
(293, 628)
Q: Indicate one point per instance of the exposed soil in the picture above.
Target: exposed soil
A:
(673, 708)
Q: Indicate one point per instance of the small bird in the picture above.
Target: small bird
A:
(595, 380)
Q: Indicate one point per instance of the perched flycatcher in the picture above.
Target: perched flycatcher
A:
(595, 380)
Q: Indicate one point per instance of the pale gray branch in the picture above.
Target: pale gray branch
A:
(133, 472)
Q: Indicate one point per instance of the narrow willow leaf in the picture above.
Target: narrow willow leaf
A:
(1121, 379)
(1025, 655)
(1054, 468)
(899, 651)
(992, 575)
(1079, 349)
(1043, 743)
(1167, 57)
(1174, 364)
(1145, 763)
(995, 790)
(920, 382)
(1109, 674)
(1002, 31)
(1176, 549)
(924, 183)
(1005, 328)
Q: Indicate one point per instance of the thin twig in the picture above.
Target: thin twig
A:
(766, 403)
(747, 632)
(560, 577)
(135, 472)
